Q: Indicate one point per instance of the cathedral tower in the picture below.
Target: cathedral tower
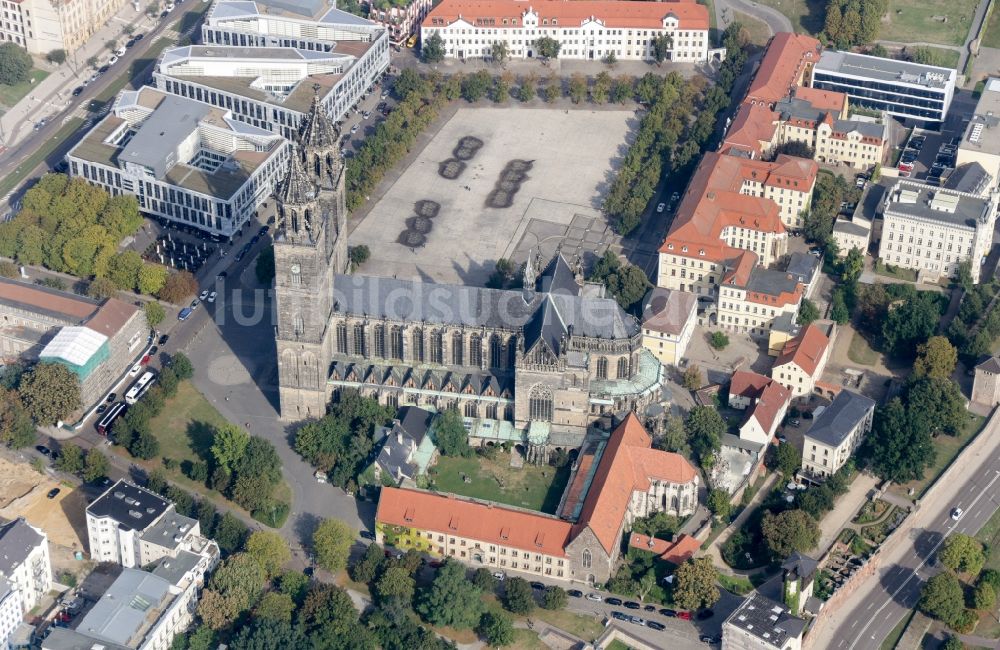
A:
(310, 247)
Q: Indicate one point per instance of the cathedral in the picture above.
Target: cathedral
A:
(551, 357)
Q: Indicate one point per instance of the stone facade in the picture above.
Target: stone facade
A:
(986, 385)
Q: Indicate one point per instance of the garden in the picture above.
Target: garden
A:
(535, 487)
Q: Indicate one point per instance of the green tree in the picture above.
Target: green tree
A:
(332, 541)
(70, 460)
(50, 392)
(622, 89)
(962, 553)
(496, 629)
(718, 340)
(96, 466)
(154, 313)
(232, 590)
(432, 49)
(942, 598)
(839, 313)
(484, 580)
(475, 86)
(984, 598)
(16, 427)
(123, 270)
(144, 445)
(718, 503)
(264, 267)
(548, 47)
(182, 366)
(178, 287)
(554, 597)
(794, 148)
(500, 53)
(15, 64)
(691, 378)
(275, 606)
(936, 358)
(789, 531)
(674, 436)
(229, 446)
(151, 278)
(358, 255)
(936, 405)
(367, 567)
(577, 88)
(788, 459)
(451, 599)
(853, 265)
(909, 325)
(952, 643)
(553, 89)
(705, 428)
(395, 582)
(518, 596)
(269, 549)
(808, 312)
(610, 59)
(528, 88)
(662, 45)
(894, 449)
(57, 57)
(101, 288)
(694, 584)
(450, 435)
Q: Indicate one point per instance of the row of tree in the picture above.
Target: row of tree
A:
(945, 598)
(133, 430)
(850, 23)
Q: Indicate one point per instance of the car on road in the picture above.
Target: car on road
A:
(366, 114)
(153, 350)
(184, 314)
(384, 94)
(211, 296)
(661, 207)
(135, 370)
(631, 604)
(104, 68)
(94, 76)
(120, 51)
(354, 129)
(163, 339)
(956, 513)
(53, 493)
(130, 42)
(138, 37)
(684, 616)
(499, 575)
(649, 608)
(111, 397)
(77, 91)
(638, 620)
(711, 640)
(668, 612)
(614, 602)
(43, 450)
(113, 60)
(595, 597)
(619, 616)
(255, 239)
(102, 408)
(367, 534)
(263, 230)
(653, 625)
(538, 585)
(202, 295)
(575, 593)
(195, 303)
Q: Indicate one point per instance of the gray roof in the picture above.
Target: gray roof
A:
(851, 228)
(667, 310)
(785, 322)
(170, 530)
(839, 419)
(736, 442)
(768, 620)
(800, 565)
(559, 277)
(131, 604)
(5, 589)
(155, 143)
(971, 178)
(915, 200)
(981, 133)
(879, 69)
(414, 421)
(17, 540)
(803, 266)
(133, 507)
(173, 569)
(61, 638)
(992, 364)
(771, 281)
(798, 108)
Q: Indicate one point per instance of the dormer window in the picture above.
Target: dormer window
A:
(554, 22)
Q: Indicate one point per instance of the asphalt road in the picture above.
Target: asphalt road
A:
(878, 609)
(775, 20)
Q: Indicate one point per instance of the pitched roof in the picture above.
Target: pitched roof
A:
(612, 13)
(838, 420)
(675, 552)
(111, 316)
(805, 350)
(18, 539)
(39, 299)
(449, 514)
(752, 124)
(824, 100)
(748, 384)
(991, 364)
(772, 400)
(786, 63)
(627, 464)
(667, 310)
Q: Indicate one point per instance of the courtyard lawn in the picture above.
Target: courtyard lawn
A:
(860, 352)
(531, 487)
(897, 272)
(928, 21)
(757, 29)
(946, 448)
(807, 16)
(10, 95)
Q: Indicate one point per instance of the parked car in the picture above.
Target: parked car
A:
(195, 303)
(631, 604)
(668, 612)
(102, 408)
(711, 640)
(53, 493)
(575, 593)
(367, 534)
(43, 450)
(614, 602)
(77, 91)
(538, 586)
(595, 597)
(649, 608)
(619, 616)
(111, 397)
(184, 314)
(638, 620)
(203, 295)
(211, 296)
(661, 207)
(684, 616)
(653, 625)
(499, 575)
(164, 339)
(135, 369)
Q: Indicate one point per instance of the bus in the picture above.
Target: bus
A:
(139, 388)
(104, 425)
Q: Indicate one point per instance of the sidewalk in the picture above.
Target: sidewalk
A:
(844, 510)
(713, 549)
(53, 94)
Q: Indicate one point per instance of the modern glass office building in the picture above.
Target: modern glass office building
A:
(907, 90)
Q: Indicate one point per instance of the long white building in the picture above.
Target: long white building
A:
(24, 562)
(586, 29)
(272, 88)
(932, 230)
(185, 161)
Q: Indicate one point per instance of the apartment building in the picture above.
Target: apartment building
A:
(315, 25)
(586, 29)
(836, 433)
(185, 161)
(41, 26)
(932, 230)
(762, 624)
(857, 143)
(273, 88)
(752, 297)
(852, 233)
(618, 480)
(25, 563)
(668, 320)
(765, 401)
(803, 359)
(131, 526)
(981, 140)
(912, 91)
(399, 22)
(11, 612)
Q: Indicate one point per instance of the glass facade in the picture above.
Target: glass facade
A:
(898, 99)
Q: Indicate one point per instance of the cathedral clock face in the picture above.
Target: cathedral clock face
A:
(295, 269)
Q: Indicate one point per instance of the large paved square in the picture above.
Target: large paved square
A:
(498, 182)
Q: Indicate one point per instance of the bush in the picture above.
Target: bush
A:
(272, 513)
(718, 340)
(15, 64)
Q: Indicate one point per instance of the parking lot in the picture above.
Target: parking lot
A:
(929, 156)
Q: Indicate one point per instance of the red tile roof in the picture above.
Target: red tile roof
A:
(627, 464)
(824, 100)
(753, 124)
(452, 515)
(785, 65)
(66, 305)
(772, 400)
(805, 350)
(748, 384)
(678, 551)
(569, 13)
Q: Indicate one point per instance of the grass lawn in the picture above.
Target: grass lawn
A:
(807, 16)
(860, 352)
(28, 165)
(735, 584)
(10, 95)
(945, 58)
(991, 35)
(946, 448)
(757, 29)
(989, 535)
(909, 275)
(917, 21)
(897, 632)
(532, 487)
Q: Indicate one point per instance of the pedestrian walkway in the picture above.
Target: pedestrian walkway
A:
(54, 93)
(712, 550)
(844, 509)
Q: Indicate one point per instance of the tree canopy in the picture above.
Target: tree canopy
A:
(936, 358)
(789, 531)
(450, 434)
(50, 392)
(332, 541)
(962, 553)
(15, 64)
(451, 599)
(896, 450)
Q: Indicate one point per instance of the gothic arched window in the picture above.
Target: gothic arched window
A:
(622, 368)
(588, 558)
(380, 341)
(417, 347)
(437, 346)
(475, 350)
(602, 368)
(457, 345)
(342, 338)
(540, 404)
(496, 352)
(396, 342)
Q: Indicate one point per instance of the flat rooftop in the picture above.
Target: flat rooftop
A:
(133, 507)
(769, 621)
(128, 609)
(983, 132)
(318, 11)
(935, 204)
(874, 67)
